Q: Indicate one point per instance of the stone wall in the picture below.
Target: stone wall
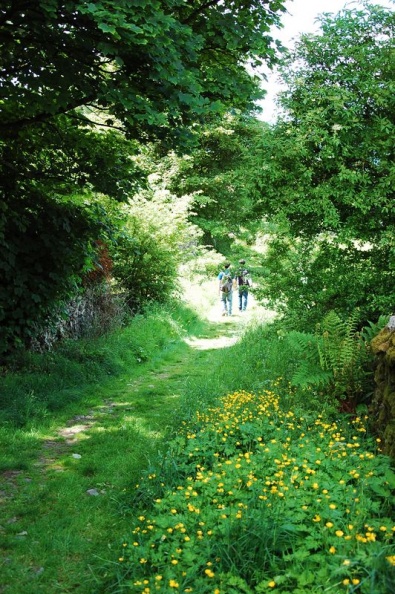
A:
(383, 404)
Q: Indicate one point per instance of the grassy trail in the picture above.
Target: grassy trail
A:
(65, 508)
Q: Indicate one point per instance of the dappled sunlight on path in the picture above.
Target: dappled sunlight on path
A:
(224, 331)
(204, 298)
(207, 344)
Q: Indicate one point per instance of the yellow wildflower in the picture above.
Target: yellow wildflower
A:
(370, 536)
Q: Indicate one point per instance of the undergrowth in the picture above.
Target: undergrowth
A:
(269, 488)
(254, 497)
(260, 485)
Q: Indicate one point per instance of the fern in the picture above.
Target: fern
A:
(309, 370)
(333, 357)
(337, 347)
(306, 376)
(304, 344)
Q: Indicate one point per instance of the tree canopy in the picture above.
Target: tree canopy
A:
(155, 66)
(339, 106)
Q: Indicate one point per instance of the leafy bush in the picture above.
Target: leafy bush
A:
(156, 238)
(306, 278)
(46, 245)
(145, 270)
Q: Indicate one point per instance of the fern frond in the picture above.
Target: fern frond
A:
(304, 344)
(305, 376)
(369, 332)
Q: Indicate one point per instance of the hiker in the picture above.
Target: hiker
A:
(225, 278)
(243, 282)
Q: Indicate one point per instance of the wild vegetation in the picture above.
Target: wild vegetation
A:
(132, 166)
(84, 88)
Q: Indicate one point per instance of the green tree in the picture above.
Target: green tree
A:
(219, 175)
(340, 108)
(327, 168)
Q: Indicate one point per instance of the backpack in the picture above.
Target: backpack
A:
(226, 282)
(242, 278)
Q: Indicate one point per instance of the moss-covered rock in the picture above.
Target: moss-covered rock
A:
(383, 404)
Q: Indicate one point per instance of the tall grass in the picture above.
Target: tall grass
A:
(258, 358)
(65, 496)
(266, 353)
(38, 385)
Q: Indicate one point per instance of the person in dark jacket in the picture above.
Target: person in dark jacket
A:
(244, 282)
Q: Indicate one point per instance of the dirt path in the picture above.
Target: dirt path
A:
(220, 332)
